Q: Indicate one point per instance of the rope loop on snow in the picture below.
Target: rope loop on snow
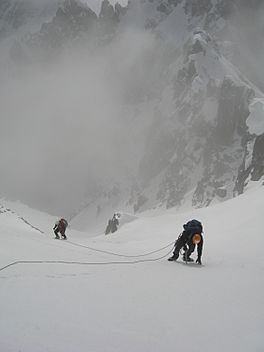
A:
(19, 262)
(120, 255)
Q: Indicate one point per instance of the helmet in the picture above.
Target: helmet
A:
(196, 238)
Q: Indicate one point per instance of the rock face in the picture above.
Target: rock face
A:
(72, 21)
(19, 17)
(258, 159)
(199, 146)
(59, 24)
(198, 153)
(109, 18)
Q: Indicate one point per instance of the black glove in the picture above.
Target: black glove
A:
(198, 261)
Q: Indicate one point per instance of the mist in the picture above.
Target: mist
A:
(64, 133)
(71, 126)
(246, 30)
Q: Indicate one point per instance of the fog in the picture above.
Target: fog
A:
(63, 130)
(65, 127)
(247, 32)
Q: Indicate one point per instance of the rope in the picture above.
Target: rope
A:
(33, 227)
(119, 255)
(18, 262)
(95, 249)
(20, 217)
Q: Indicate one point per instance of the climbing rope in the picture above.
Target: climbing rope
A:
(19, 262)
(119, 255)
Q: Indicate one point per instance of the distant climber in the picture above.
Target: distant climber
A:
(113, 224)
(60, 227)
(188, 239)
(108, 227)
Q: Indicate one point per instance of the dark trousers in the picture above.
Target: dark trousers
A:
(182, 242)
(190, 249)
(61, 231)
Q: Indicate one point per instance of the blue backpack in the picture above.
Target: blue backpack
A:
(193, 226)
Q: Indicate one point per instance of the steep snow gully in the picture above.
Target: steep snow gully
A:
(150, 306)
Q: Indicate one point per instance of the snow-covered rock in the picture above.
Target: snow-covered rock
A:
(192, 120)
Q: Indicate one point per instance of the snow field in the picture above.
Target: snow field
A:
(150, 306)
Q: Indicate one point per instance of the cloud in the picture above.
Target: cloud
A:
(63, 131)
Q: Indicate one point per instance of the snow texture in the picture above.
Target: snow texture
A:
(148, 306)
(255, 120)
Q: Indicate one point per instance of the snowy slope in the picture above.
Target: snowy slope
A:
(148, 306)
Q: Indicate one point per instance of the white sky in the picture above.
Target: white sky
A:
(95, 5)
(149, 306)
